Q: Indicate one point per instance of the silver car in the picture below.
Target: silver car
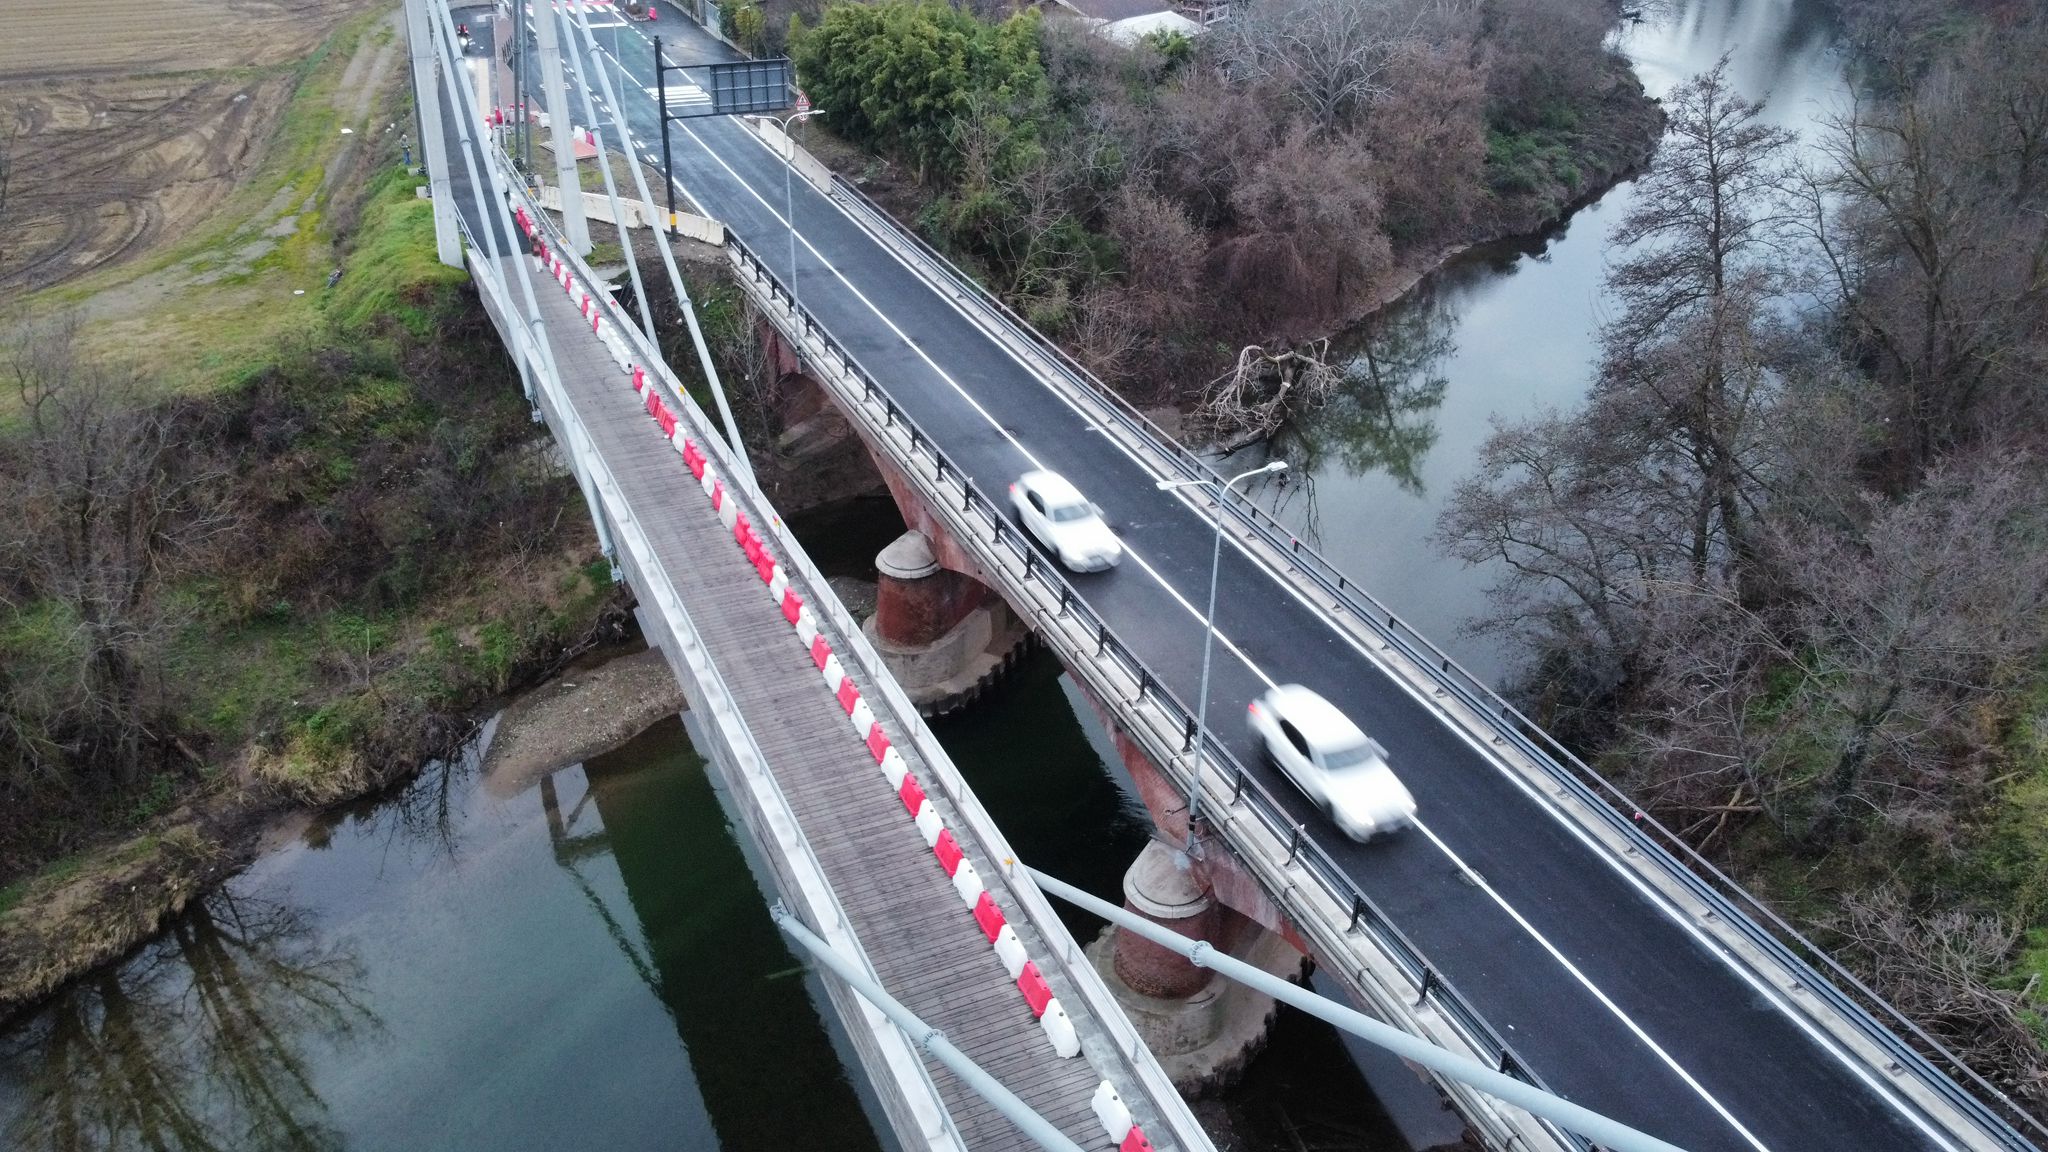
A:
(1063, 520)
(1336, 765)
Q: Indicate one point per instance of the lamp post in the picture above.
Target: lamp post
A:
(788, 190)
(1209, 635)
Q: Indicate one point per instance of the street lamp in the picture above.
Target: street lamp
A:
(788, 191)
(1209, 636)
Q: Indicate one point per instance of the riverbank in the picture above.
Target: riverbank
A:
(373, 544)
(1535, 173)
(583, 713)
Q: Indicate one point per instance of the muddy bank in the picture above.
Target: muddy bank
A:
(576, 716)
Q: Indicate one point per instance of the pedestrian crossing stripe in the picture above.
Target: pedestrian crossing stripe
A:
(681, 95)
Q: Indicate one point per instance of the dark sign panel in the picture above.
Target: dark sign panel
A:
(749, 86)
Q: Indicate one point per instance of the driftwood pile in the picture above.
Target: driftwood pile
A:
(1249, 402)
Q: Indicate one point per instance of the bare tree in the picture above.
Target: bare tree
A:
(110, 503)
(1937, 272)
(1695, 289)
(1328, 56)
(1308, 245)
(1859, 693)
(1941, 967)
(1583, 534)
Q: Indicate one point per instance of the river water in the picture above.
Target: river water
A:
(589, 963)
(1504, 332)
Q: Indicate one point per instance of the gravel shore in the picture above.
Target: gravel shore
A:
(576, 716)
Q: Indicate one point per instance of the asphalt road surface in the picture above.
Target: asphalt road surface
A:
(1606, 992)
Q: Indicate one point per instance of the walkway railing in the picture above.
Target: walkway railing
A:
(1658, 845)
(1246, 793)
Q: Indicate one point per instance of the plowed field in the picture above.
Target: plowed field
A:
(131, 124)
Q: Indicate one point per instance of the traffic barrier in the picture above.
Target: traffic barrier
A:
(1111, 1112)
(1010, 951)
(893, 768)
(967, 883)
(1059, 1029)
(1135, 1141)
(911, 793)
(989, 917)
(1036, 992)
(965, 878)
(929, 825)
(948, 851)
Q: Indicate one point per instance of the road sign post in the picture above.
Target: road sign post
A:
(668, 170)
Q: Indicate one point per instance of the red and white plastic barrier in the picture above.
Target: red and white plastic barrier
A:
(966, 880)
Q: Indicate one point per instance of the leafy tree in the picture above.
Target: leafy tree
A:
(900, 74)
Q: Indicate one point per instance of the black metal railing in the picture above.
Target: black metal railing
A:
(1658, 845)
(1430, 986)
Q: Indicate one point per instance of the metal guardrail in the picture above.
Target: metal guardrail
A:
(1122, 1036)
(1428, 984)
(936, 1122)
(1658, 845)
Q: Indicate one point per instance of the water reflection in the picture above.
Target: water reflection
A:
(197, 1043)
(1383, 418)
(584, 963)
(1509, 330)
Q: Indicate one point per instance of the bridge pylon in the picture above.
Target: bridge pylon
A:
(426, 88)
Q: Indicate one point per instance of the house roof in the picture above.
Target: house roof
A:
(1113, 10)
(1132, 28)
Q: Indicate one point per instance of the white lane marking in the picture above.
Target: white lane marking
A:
(1656, 900)
(971, 402)
(1520, 920)
(1613, 1008)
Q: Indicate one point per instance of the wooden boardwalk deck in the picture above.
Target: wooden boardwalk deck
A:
(924, 946)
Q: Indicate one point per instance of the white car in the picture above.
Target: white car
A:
(1065, 522)
(1339, 767)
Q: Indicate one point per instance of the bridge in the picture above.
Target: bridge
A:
(1531, 918)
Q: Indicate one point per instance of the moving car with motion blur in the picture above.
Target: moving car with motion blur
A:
(1061, 519)
(1336, 765)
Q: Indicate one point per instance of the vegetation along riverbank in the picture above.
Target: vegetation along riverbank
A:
(1785, 572)
(279, 524)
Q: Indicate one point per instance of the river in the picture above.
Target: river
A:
(1503, 332)
(589, 962)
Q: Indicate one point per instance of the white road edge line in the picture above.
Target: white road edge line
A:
(1521, 921)
(1656, 900)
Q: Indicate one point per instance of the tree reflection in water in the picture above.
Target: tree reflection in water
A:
(195, 1043)
(1383, 418)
